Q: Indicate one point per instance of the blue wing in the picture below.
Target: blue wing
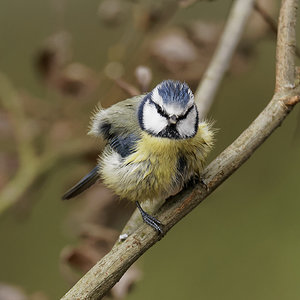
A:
(124, 145)
(119, 126)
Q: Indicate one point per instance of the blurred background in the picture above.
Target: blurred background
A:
(58, 60)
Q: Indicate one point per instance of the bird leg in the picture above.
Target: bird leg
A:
(150, 220)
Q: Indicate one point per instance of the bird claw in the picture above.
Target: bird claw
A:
(151, 221)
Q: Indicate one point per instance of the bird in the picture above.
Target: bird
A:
(154, 145)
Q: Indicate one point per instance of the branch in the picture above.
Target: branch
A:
(271, 22)
(235, 26)
(111, 268)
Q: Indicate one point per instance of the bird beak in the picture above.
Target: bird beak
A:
(173, 119)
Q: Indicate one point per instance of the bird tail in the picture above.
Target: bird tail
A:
(87, 181)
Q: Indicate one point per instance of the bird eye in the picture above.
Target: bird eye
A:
(160, 110)
(187, 112)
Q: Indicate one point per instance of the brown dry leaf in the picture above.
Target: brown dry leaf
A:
(112, 12)
(60, 131)
(143, 76)
(96, 242)
(6, 129)
(99, 237)
(9, 164)
(102, 207)
(184, 53)
(130, 89)
(187, 3)
(10, 292)
(174, 50)
(153, 14)
(52, 62)
(204, 34)
(38, 296)
(76, 80)
(125, 284)
(178, 56)
(257, 28)
(81, 258)
(53, 55)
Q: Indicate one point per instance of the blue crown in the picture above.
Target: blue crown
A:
(174, 92)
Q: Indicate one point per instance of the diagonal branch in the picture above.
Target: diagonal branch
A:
(111, 268)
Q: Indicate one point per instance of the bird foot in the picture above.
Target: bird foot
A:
(150, 220)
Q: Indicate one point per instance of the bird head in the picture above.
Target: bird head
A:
(169, 111)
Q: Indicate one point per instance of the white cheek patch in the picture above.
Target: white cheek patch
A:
(152, 120)
(186, 127)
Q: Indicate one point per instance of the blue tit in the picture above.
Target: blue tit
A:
(154, 145)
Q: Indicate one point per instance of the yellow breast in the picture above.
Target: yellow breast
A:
(152, 170)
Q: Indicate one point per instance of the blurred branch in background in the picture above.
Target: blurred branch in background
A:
(10, 292)
(229, 40)
(32, 161)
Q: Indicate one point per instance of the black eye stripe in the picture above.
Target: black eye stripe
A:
(185, 115)
(164, 114)
(159, 109)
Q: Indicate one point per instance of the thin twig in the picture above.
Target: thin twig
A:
(230, 38)
(111, 268)
(268, 19)
(271, 22)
